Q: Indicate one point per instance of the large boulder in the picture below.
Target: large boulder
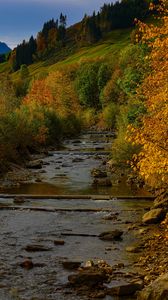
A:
(154, 216)
(157, 290)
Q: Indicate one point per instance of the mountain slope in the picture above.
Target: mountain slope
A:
(107, 49)
(4, 48)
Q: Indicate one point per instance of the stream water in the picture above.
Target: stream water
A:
(65, 172)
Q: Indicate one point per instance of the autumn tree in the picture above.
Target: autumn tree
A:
(152, 135)
(65, 100)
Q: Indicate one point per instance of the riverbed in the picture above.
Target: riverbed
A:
(76, 221)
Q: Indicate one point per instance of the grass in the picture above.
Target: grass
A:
(108, 48)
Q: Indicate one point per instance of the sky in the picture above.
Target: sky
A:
(19, 19)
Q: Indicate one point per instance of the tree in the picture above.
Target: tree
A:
(152, 161)
(87, 84)
(65, 100)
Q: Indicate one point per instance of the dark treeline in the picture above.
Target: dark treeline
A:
(54, 35)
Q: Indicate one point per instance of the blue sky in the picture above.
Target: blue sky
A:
(19, 19)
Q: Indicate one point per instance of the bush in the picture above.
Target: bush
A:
(54, 126)
(71, 125)
(122, 150)
(88, 118)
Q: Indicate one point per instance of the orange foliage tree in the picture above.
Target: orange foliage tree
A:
(152, 161)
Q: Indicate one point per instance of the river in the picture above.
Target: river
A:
(78, 221)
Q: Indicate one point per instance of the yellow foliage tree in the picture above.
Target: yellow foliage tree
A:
(152, 161)
(65, 98)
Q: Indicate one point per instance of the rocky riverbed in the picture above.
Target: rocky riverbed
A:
(91, 241)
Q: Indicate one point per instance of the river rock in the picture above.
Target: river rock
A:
(38, 180)
(97, 295)
(36, 248)
(87, 277)
(111, 235)
(153, 216)
(126, 289)
(77, 159)
(157, 290)
(111, 216)
(19, 200)
(59, 242)
(27, 264)
(34, 164)
(133, 249)
(102, 182)
(71, 265)
(97, 173)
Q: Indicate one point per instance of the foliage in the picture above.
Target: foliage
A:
(91, 78)
(8, 99)
(152, 161)
(107, 119)
(88, 117)
(65, 99)
(134, 66)
(87, 84)
(122, 150)
(111, 91)
(103, 76)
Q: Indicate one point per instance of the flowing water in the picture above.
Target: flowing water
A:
(65, 172)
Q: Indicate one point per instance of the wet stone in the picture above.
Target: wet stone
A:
(34, 164)
(36, 248)
(59, 242)
(88, 278)
(133, 249)
(27, 264)
(153, 216)
(112, 216)
(77, 159)
(19, 200)
(98, 173)
(126, 289)
(71, 265)
(111, 235)
(97, 295)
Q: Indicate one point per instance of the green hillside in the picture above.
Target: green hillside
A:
(107, 49)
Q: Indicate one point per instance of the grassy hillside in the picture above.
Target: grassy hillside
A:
(108, 49)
